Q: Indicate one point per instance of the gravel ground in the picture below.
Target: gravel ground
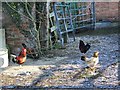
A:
(62, 68)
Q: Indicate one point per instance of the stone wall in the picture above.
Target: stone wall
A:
(14, 38)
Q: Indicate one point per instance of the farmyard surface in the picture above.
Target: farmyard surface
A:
(59, 67)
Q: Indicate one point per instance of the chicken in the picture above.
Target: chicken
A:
(21, 58)
(93, 61)
(83, 48)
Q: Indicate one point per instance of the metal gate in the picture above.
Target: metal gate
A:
(72, 16)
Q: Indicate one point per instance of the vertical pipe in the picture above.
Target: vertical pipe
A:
(48, 35)
(66, 37)
(0, 14)
(93, 15)
(71, 22)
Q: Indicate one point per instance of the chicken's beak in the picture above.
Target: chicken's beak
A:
(97, 53)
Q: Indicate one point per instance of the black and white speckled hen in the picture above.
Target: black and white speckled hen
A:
(83, 48)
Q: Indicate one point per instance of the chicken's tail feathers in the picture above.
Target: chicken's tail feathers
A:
(81, 42)
(12, 55)
(81, 46)
(14, 60)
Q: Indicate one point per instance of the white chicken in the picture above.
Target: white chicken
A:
(93, 61)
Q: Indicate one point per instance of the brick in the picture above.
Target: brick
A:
(107, 10)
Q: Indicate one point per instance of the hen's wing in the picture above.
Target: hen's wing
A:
(92, 62)
(81, 46)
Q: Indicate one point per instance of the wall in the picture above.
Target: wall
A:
(107, 11)
(14, 37)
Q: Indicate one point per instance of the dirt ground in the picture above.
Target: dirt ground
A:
(62, 68)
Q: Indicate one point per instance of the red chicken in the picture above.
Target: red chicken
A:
(83, 48)
(21, 58)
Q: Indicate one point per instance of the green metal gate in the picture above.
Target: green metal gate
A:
(72, 16)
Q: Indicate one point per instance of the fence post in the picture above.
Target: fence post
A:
(93, 15)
